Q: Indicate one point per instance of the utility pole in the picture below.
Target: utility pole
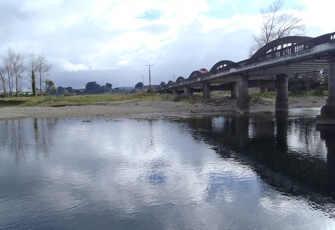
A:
(149, 77)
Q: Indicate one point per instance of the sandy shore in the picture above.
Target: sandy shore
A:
(153, 109)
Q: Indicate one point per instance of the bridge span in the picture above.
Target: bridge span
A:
(270, 65)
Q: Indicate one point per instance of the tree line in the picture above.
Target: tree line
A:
(16, 69)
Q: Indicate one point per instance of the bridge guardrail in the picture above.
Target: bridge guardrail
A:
(296, 48)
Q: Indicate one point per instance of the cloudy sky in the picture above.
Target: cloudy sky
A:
(113, 40)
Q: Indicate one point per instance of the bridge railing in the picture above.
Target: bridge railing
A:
(296, 48)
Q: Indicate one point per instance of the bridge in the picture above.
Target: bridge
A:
(271, 65)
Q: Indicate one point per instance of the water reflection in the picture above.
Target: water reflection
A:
(20, 136)
(286, 153)
(291, 147)
(233, 172)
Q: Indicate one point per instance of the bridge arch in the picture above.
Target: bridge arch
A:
(276, 45)
(180, 78)
(198, 73)
(222, 66)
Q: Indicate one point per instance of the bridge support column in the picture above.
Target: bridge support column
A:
(282, 93)
(243, 94)
(264, 87)
(234, 90)
(187, 90)
(206, 90)
(174, 91)
(327, 116)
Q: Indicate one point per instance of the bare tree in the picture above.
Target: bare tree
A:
(3, 80)
(42, 69)
(8, 67)
(18, 69)
(276, 24)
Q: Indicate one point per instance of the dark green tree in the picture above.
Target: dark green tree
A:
(139, 85)
(50, 87)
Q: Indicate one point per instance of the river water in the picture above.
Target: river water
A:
(222, 172)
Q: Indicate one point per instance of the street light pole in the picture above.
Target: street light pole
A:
(149, 77)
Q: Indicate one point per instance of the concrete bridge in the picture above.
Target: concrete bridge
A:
(271, 65)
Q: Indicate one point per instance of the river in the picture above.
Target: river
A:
(262, 171)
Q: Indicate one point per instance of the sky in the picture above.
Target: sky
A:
(113, 41)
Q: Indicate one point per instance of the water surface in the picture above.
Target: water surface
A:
(259, 172)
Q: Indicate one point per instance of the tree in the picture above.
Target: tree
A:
(139, 85)
(33, 83)
(50, 87)
(276, 24)
(8, 68)
(42, 69)
(3, 80)
(93, 88)
(32, 66)
(109, 86)
(18, 69)
(13, 68)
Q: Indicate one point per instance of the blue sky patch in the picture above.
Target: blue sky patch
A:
(151, 15)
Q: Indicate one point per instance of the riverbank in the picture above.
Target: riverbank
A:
(153, 108)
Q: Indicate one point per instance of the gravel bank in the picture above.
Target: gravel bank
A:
(152, 109)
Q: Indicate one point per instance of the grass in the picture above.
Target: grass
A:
(267, 95)
(57, 101)
(263, 98)
(316, 93)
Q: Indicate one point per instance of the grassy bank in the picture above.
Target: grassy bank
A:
(78, 100)
(57, 101)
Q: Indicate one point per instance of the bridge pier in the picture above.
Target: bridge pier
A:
(187, 90)
(263, 87)
(327, 116)
(206, 90)
(174, 91)
(243, 94)
(234, 90)
(282, 93)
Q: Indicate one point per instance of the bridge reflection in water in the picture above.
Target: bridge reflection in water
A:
(291, 154)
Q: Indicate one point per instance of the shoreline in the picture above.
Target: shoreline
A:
(152, 109)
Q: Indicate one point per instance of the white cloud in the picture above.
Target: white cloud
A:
(62, 64)
(176, 36)
(318, 16)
